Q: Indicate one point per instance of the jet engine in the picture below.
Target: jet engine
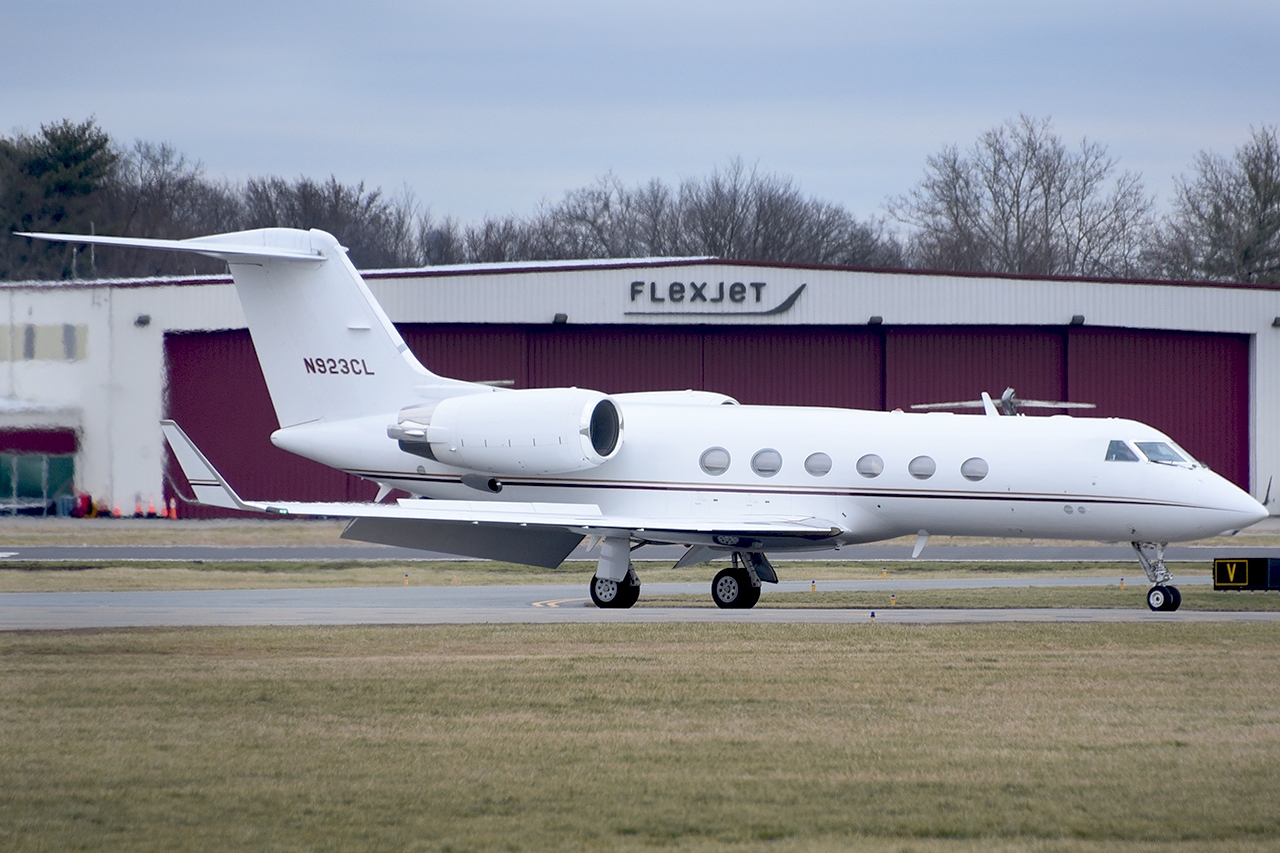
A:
(534, 431)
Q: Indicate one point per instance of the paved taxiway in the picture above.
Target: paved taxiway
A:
(558, 603)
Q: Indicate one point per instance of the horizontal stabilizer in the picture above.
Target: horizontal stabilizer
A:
(229, 247)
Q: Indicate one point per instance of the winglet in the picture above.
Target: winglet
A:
(209, 486)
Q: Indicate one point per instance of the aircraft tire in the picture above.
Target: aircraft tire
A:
(1175, 598)
(628, 595)
(607, 594)
(729, 588)
(751, 595)
(1158, 598)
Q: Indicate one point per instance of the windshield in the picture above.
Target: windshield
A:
(1159, 451)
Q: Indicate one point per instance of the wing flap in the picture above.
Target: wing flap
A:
(545, 547)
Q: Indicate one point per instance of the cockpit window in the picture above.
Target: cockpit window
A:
(1158, 451)
(1118, 451)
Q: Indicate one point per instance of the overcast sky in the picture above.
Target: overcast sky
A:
(489, 108)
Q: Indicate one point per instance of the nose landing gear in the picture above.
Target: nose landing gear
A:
(1163, 595)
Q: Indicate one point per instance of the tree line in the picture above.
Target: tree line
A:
(1018, 200)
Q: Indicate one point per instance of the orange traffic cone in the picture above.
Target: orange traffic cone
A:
(173, 508)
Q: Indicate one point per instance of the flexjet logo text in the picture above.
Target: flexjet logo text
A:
(706, 298)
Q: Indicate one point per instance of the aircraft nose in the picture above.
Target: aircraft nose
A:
(1239, 505)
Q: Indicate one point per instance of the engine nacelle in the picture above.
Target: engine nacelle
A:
(533, 431)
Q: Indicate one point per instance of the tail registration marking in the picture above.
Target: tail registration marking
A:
(337, 366)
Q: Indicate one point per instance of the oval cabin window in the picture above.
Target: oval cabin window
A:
(974, 469)
(818, 464)
(870, 465)
(715, 461)
(922, 467)
(767, 462)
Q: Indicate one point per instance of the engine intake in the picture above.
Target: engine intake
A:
(534, 431)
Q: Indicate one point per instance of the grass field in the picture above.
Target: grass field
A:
(686, 737)
(81, 576)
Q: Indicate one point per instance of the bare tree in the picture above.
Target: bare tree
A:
(377, 232)
(1225, 225)
(1021, 202)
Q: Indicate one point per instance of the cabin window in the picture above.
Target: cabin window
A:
(715, 461)
(1118, 451)
(922, 467)
(974, 469)
(766, 462)
(818, 464)
(1158, 451)
(870, 466)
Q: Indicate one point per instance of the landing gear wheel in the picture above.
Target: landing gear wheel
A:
(1175, 598)
(606, 593)
(1161, 598)
(628, 594)
(732, 589)
(614, 594)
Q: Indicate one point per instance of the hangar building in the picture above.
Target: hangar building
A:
(92, 366)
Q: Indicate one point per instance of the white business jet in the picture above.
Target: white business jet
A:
(526, 475)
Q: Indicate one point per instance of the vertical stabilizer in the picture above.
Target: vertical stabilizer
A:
(327, 349)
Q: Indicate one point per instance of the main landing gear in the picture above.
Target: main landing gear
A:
(616, 584)
(738, 587)
(1163, 595)
(623, 593)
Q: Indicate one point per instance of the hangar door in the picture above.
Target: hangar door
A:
(1193, 386)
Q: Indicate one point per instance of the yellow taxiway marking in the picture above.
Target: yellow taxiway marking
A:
(556, 602)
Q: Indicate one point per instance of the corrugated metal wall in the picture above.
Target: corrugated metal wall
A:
(216, 392)
(796, 367)
(615, 360)
(1193, 386)
(940, 364)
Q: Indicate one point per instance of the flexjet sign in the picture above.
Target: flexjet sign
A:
(737, 298)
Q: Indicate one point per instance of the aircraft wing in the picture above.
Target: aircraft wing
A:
(537, 534)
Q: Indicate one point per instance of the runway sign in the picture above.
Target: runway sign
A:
(1246, 573)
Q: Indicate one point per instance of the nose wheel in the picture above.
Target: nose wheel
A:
(1166, 598)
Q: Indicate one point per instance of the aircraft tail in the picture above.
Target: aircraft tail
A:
(327, 349)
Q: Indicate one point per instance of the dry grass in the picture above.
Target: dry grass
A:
(686, 737)
(1132, 597)
(106, 576)
(226, 532)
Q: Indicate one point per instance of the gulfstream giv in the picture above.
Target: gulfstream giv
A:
(527, 475)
